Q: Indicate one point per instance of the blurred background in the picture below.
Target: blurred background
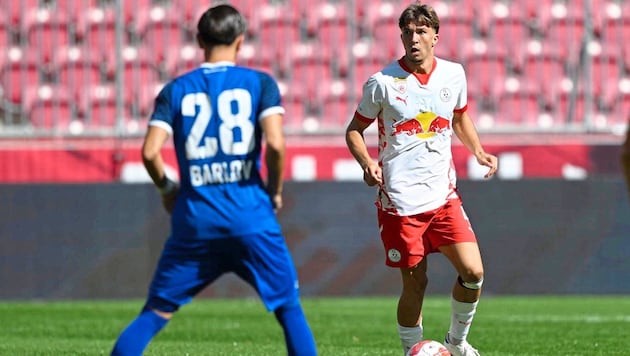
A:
(548, 87)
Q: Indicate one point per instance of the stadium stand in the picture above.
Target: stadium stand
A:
(568, 58)
(49, 107)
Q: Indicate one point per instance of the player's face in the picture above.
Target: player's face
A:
(418, 41)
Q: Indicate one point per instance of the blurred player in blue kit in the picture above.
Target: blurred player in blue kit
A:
(222, 213)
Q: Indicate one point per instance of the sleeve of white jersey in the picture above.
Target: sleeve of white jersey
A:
(462, 98)
(372, 99)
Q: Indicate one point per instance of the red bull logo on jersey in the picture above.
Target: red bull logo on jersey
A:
(423, 125)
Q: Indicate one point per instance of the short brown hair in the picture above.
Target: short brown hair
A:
(420, 13)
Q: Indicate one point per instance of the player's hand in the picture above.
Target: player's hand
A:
(372, 174)
(276, 201)
(168, 199)
(488, 160)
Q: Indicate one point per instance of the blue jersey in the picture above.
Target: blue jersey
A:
(213, 114)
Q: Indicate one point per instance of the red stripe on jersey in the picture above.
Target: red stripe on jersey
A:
(462, 110)
(360, 117)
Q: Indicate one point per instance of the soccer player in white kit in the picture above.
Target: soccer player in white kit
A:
(418, 102)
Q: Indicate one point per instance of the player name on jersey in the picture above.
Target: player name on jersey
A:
(220, 172)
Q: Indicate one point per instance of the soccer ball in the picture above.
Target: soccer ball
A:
(428, 348)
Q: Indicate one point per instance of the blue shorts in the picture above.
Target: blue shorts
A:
(187, 266)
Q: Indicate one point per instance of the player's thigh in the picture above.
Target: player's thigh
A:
(454, 237)
(402, 238)
(268, 267)
(183, 270)
(466, 259)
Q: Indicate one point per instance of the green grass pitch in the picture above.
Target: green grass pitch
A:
(518, 325)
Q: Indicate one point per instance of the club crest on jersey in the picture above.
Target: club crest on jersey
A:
(445, 94)
(400, 84)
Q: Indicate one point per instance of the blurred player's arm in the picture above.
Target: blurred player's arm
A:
(154, 163)
(355, 140)
(465, 130)
(274, 157)
(625, 158)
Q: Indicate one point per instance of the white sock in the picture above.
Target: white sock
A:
(409, 336)
(461, 317)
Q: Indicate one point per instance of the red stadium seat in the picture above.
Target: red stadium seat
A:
(454, 29)
(15, 10)
(540, 62)
(138, 69)
(98, 107)
(74, 9)
(6, 35)
(535, 10)
(78, 69)
(160, 29)
(181, 60)
(329, 23)
(307, 68)
(277, 24)
(367, 60)
(519, 105)
(296, 104)
(484, 65)
(46, 30)
(133, 9)
(564, 26)
(381, 23)
(568, 102)
(19, 67)
(260, 57)
(617, 29)
(509, 32)
(334, 104)
(48, 107)
(606, 67)
(96, 28)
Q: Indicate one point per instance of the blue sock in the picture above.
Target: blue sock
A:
(297, 333)
(137, 335)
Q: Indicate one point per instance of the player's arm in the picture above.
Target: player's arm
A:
(465, 130)
(274, 157)
(355, 140)
(625, 158)
(154, 163)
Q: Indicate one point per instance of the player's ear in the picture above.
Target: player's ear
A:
(239, 41)
(436, 38)
(200, 42)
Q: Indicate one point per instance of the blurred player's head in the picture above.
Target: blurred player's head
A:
(419, 26)
(220, 25)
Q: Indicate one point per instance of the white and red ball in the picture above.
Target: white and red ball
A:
(428, 348)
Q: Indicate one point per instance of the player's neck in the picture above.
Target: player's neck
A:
(223, 54)
(423, 67)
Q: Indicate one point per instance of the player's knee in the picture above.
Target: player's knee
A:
(165, 311)
(473, 281)
(415, 283)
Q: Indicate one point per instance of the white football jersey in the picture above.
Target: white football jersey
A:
(414, 114)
